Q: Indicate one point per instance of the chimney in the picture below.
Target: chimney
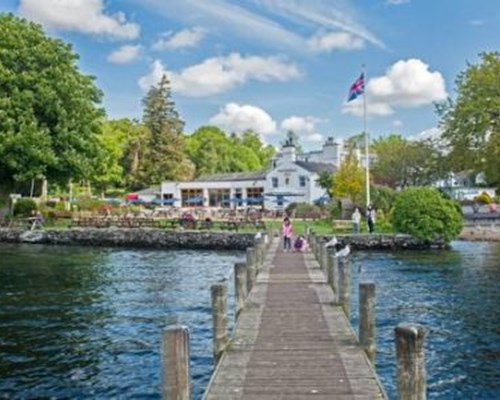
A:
(288, 153)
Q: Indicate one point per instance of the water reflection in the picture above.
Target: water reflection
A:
(455, 295)
(80, 322)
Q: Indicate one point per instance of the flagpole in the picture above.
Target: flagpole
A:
(365, 131)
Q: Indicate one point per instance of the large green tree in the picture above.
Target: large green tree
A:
(349, 181)
(471, 121)
(164, 156)
(400, 162)
(49, 111)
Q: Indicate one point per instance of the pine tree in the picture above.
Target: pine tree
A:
(164, 158)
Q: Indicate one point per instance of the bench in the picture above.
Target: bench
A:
(342, 224)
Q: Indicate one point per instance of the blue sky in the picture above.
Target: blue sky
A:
(274, 65)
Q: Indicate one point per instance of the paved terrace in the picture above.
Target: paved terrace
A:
(291, 342)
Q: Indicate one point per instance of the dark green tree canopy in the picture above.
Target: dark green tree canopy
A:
(471, 121)
(49, 111)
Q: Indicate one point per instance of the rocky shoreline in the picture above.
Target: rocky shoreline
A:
(480, 233)
(195, 240)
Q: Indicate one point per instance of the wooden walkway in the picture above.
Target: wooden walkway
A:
(290, 341)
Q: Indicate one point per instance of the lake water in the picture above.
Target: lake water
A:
(86, 323)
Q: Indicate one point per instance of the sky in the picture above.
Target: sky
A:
(275, 65)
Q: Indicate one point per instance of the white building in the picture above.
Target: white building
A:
(289, 179)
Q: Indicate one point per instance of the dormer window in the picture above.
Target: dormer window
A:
(275, 182)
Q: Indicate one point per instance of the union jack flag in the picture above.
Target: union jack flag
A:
(357, 88)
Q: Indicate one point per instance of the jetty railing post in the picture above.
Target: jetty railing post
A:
(251, 268)
(312, 242)
(261, 255)
(240, 287)
(317, 248)
(367, 319)
(332, 275)
(344, 282)
(323, 257)
(219, 317)
(411, 375)
(175, 363)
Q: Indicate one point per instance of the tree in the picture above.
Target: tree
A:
(49, 111)
(426, 215)
(326, 181)
(164, 155)
(400, 162)
(349, 181)
(471, 121)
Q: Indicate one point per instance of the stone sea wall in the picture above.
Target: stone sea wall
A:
(158, 238)
(134, 237)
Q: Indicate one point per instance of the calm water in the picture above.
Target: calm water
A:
(79, 322)
(86, 323)
(456, 296)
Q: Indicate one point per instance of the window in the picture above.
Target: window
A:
(275, 182)
(192, 197)
(287, 181)
(218, 197)
(302, 181)
(256, 194)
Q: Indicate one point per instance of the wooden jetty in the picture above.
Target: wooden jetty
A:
(292, 341)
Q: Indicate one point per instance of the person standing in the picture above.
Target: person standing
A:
(356, 220)
(370, 217)
(287, 231)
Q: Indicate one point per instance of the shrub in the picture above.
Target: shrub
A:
(426, 215)
(304, 210)
(383, 197)
(87, 203)
(24, 207)
(483, 198)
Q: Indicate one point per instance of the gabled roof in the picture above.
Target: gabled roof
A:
(316, 167)
(150, 191)
(235, 176)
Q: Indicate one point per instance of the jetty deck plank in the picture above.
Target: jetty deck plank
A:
(292, 342)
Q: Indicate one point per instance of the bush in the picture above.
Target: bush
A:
(483, 198)
(87, 203)
(24, 207)
(304, 210)
(426, 215)
(383, 197)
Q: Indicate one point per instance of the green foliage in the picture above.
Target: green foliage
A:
(326, 181)
(424, 214)
(483, 198)
(471, 122)
(49, 115)
(304, 210)
(349, 181)
(401, 163)
(164, 156)
(383, 197)
(24, 207)
(88, 203)
(212, 151)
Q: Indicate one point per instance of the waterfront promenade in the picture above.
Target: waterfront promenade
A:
(292, 342)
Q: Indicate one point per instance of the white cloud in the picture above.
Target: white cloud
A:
(407, 83)
(305, 127)
(336, 41)
(252, 21)
(220, 74)
(397, 123)
(428, 134)
(86, 16)
(185, 38)
(125, 54)
(239, 118)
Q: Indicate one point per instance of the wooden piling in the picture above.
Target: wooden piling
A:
(240, 287)
(251, 268)
(411, 375)
(332, 275)
(323, 259)
(367, 319)
(344, 285)
(175, 363)
(219, 319)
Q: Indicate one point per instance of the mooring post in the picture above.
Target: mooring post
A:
(219, 317)
(332, 275)
(175, 363)
(411, 375)
(240, 287)
(323, 257)
(317, 249)
(312, 241)
(367, 319)
(344, 282)
(251, 268)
